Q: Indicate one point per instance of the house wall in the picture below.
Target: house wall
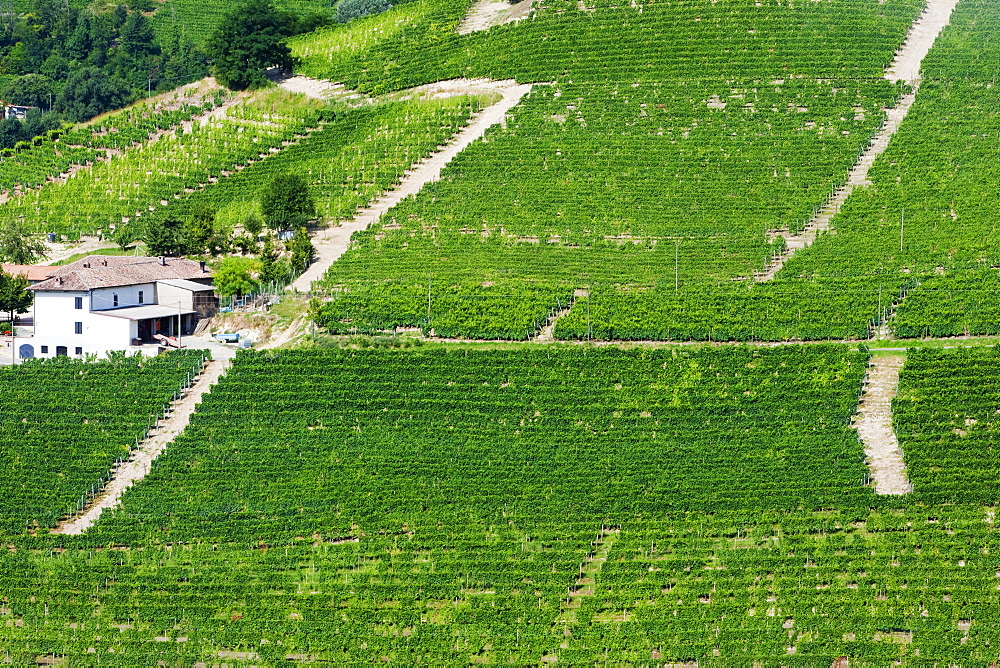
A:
(102, 299)
(55, 319)
(170, 296)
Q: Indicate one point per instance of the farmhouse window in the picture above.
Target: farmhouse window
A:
(78, 327)
(140, 297)
(45, 349)
(78, 302)
(79, 350)
(114, 300)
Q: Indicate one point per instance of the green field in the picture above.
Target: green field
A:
(64, 423)
(490, 496)
(580, 504)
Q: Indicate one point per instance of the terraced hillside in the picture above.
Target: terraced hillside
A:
(534, 503)
(647, 187)
(557, 504)
(147, 163)
(938, 182)
(64, 423)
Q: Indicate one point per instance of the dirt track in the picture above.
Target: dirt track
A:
(874, 425)
(136, 468)
(905, 67)
(332, 243)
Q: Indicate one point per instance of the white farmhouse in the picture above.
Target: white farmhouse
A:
(104, 303)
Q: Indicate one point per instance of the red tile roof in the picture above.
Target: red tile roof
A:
(34, 272)
(111, 271)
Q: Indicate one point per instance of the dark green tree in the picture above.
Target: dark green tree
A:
(79, 43)
(11, 132)
(90, 91)
(137, 36)
(15, 297)
(303, 251)
(249, 40)
(200, 228)
(286, 201)
(165, 237)
(18, 246)
(270, 268)
(32, 90)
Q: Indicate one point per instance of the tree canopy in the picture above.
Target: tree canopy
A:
(90, 91)
(236, 276)
(165, 237)
(15, 297)
(249, 40)
(286, 202)
(18, 246)
(303, 251)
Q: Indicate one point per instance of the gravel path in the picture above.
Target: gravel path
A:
(874, 425)
(332, 243)
(136, 468)
(547, 333)
(488, 13)
(905, 67)
(61, 250)
(319, 89)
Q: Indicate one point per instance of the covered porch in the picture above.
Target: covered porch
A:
(156, 324)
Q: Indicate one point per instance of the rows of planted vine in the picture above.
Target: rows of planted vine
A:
(664, 190)
(384, 438)
(351, 159)
(64, 423)
(33, 164)
(945, 417)
(447, 505)
(416, 42)
(144, 177)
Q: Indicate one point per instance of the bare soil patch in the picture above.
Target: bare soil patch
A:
(874, 424)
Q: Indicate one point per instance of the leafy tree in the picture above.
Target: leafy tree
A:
(253, 225)
(236, 276)
(249, 40)
(15, 297)
(270, 270)
(90, 91)
(56, 68)
(137, 36)
(18, 246)
(11, 132)
(200, 228)
(353, 9)
(286, 201)
(32, 90)
(125, 235)
(79, 44)
(303, 251)
(245, 244)
(165, 237)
